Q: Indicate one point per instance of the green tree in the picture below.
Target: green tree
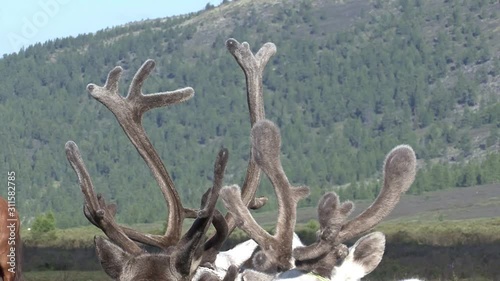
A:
(43, 228)
(43, 224)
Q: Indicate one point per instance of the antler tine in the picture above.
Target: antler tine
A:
(145, 238)
(219, 168)
(253, 67)
(321, 256)
(277, 249)
(266, 148)
(188, 254)
(111, 208)
(128, 111)
(399, 174)
(96, 209)
(331, 216)
(213, 245)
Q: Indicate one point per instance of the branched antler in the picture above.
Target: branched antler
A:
(96, 209)
(253, 67)
(128, 111)
(188, 253)
(276, 249)
(183, 258)
(321, 256)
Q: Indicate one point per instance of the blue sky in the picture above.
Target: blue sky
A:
(26, 22)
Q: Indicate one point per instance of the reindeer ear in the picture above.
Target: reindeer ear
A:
(111, 256)
(364, 256)
(368, 251)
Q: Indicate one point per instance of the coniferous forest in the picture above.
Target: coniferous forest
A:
(351, 79)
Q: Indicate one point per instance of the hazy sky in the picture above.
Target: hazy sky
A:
(25, 22)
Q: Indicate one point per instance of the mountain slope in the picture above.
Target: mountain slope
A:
(351, 79)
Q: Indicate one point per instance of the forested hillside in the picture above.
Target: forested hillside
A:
(351, 79)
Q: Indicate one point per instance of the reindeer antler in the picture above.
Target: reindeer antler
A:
(185, 257)
(277, 249)
(400, 168)
(253, 67)
(321, 256)
(96, 209)
(266, 142)
(188, 253)
(128, 111)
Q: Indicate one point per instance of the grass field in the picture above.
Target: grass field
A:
(473, 210)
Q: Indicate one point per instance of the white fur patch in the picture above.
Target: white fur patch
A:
(296, 241)
(237, 255)
(348, 271)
